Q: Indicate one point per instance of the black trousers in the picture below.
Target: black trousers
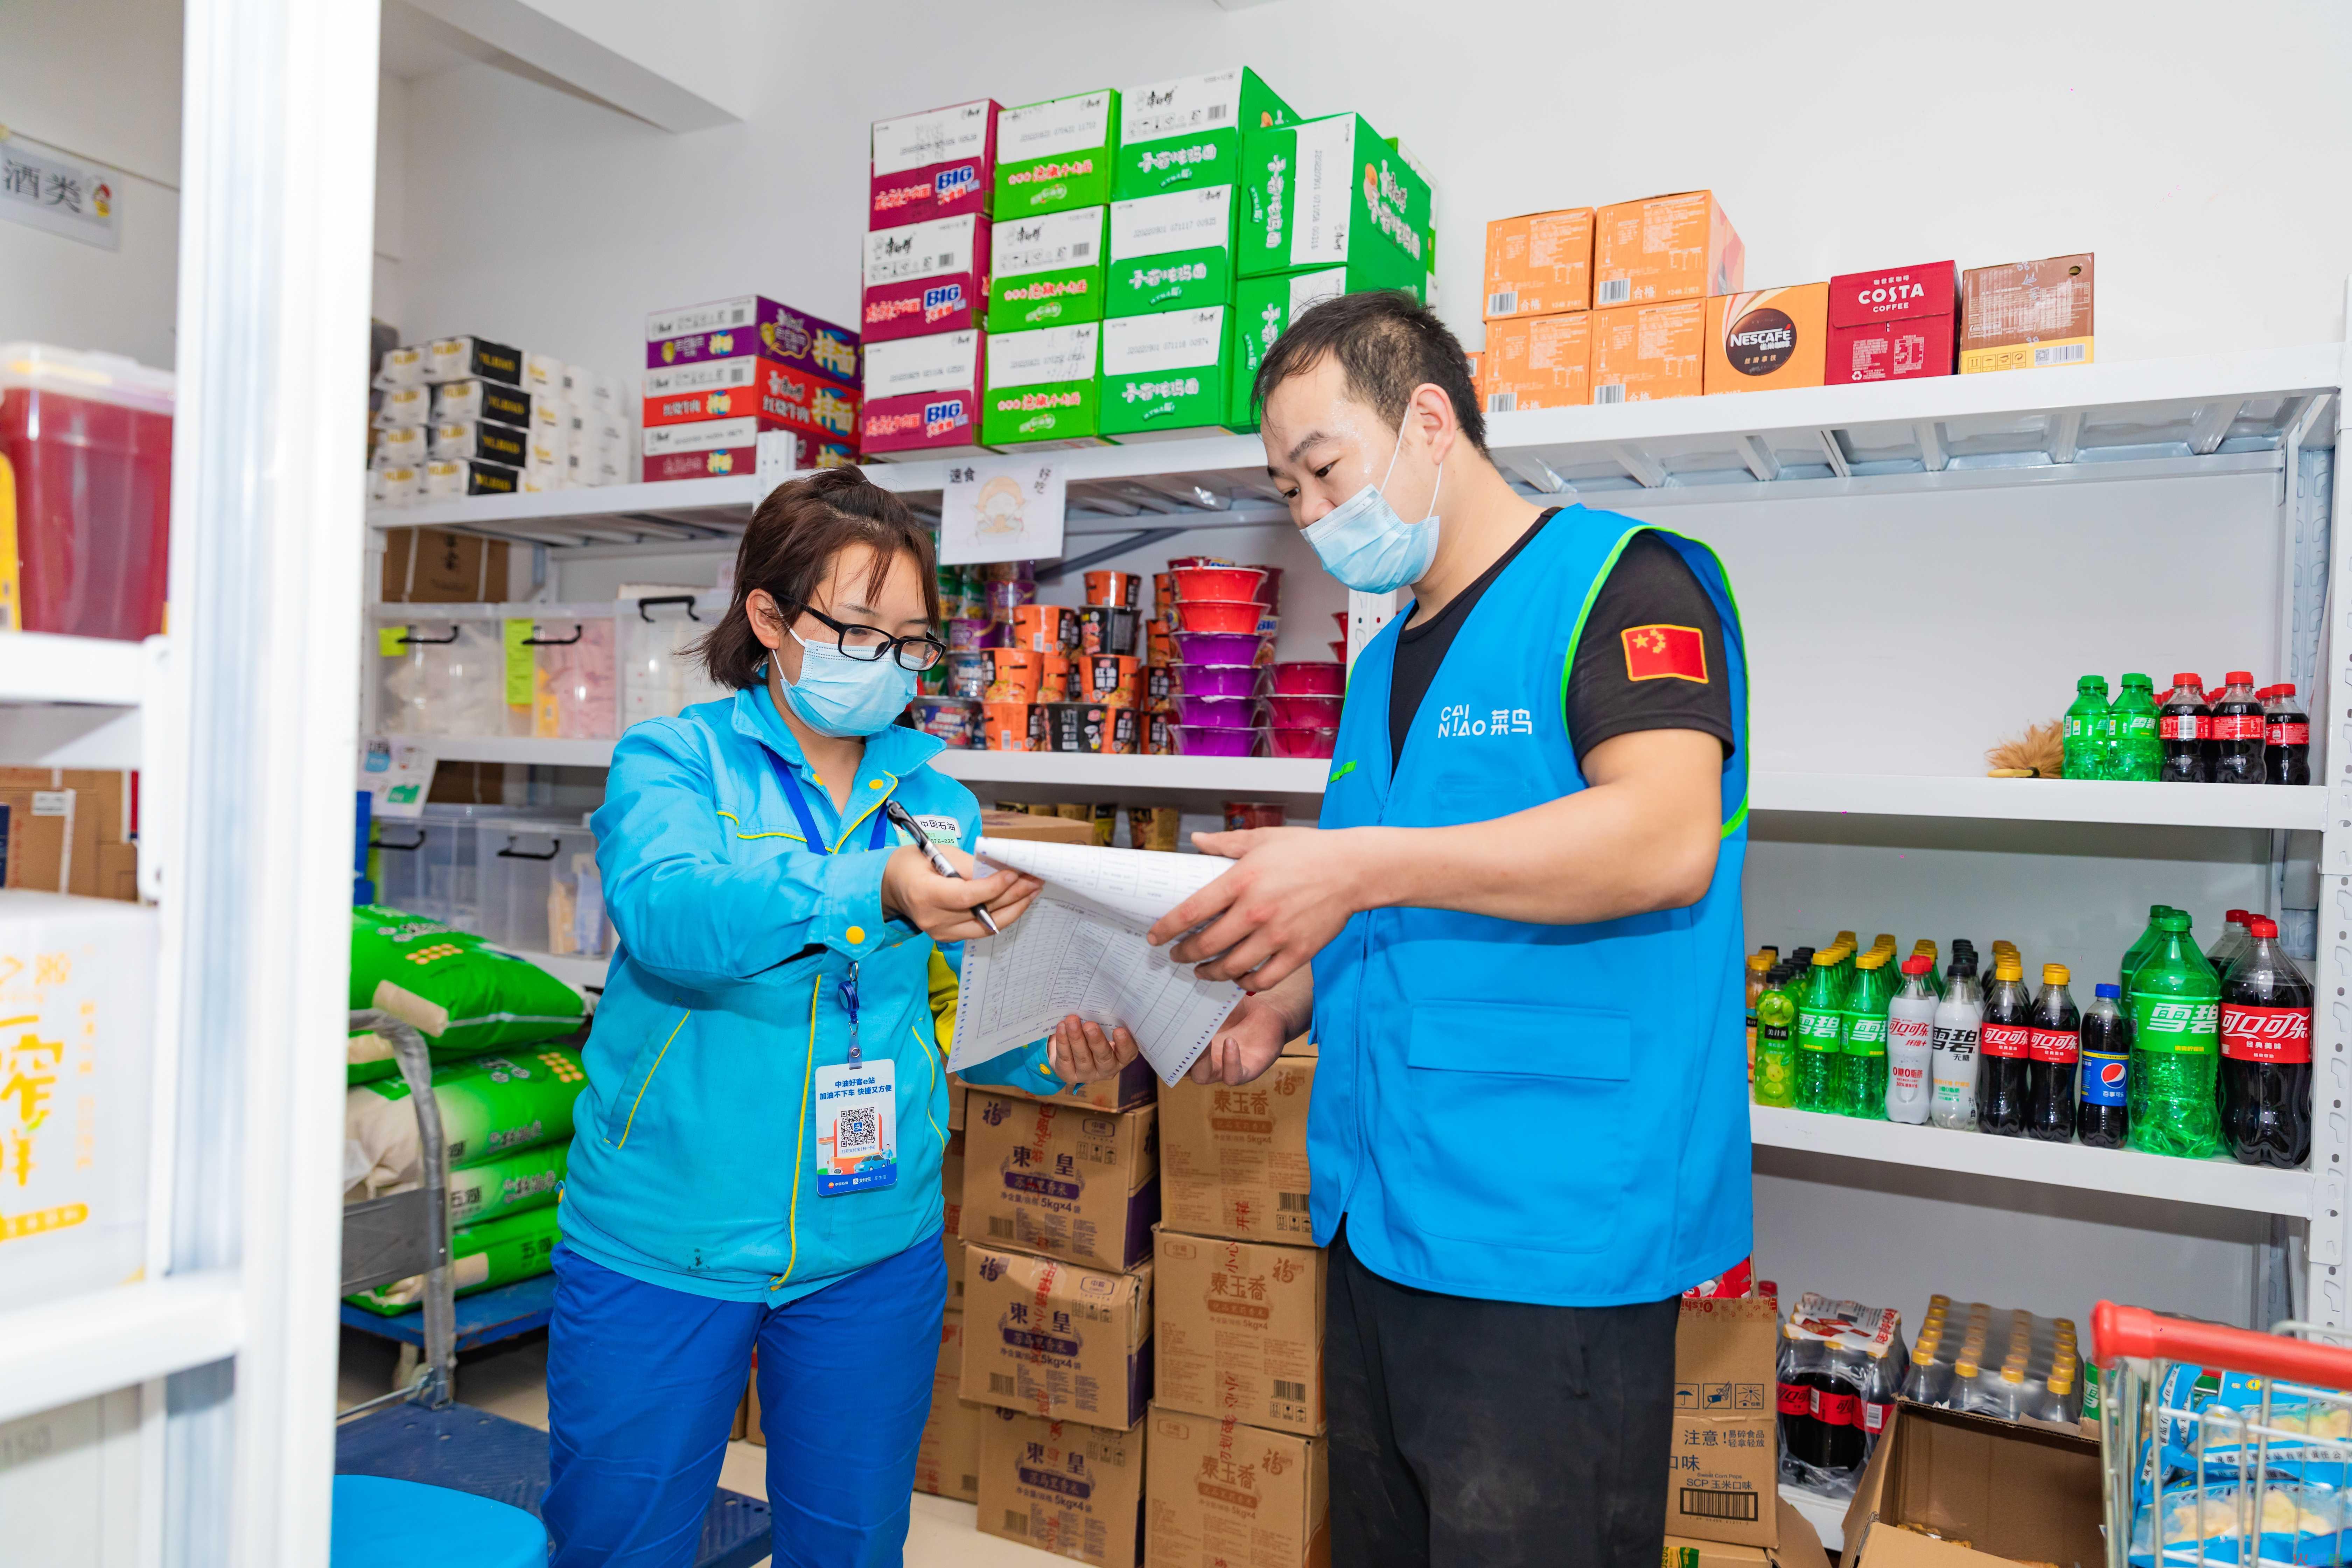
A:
(1493, 1432)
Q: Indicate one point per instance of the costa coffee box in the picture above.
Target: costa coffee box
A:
(938, 163)
(1233, 1157)
(781, 397)
(1166, 376)
(1223, 1492)
(1539, 264)
(947, 1459)
(1054, 156)
(926, 278)
(1070, 1183)
(1046, 271)
(1894, 350)
(1172, 135)
(1641, 353)
(1538, 362)
(1056, 1340)
(1171, 252)
(1331, 193)
(471, 359)
(1665, 248)
(751, 324)
(922, 394)
(2026, 315)
(1239, 1326)
(1043, 388)
(1264, 308)
(1073, 1491)
(1864, 299)
(1766, 339)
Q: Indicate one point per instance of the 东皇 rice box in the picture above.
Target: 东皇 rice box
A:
(1046, 271)
(1166, 376)
(1331, 193)
(1043, 387)
(1171, 252)
(1055, 155)
(1264, 309)
(1172, 135)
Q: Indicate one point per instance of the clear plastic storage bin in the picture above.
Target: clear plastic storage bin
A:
(658, 676)
(441, 669)
(575, 674)
(430, 866)
(541, 889)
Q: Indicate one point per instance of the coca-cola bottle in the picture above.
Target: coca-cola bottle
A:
(2008, 1033)
(2050, 1059)
(2266, 1054)
(2237, 722)
(2286, 738)
(2182, 722)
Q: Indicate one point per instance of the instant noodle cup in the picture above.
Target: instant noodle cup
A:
(1109, 677)
(1215, 741)
(1123, 590)
(1004, 598)
(1244, 815)
(1158, 647)
(1046, 629)
(1304, 743)
(1309, 678)
(1217, 680)
(1160, 734)
(1269, 587)
(1158, 682)
(1013, 675)
(1053, 677)
(1217, 712)
(1153, 827)
(1218, 615)
(1305, 712)
(964, 634)
(953, 719)
(1004, 726)
(1009, 571)
(1222, 647)
(1108, 628)
(1092, 727)
(968, 674)
(1163, 594)
(1215, 582)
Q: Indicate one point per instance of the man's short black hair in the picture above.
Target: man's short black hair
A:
(1387, 343)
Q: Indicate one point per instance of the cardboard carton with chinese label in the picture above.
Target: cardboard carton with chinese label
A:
(1264, 308)
(954, 1248)
(779, 396)
(947, 1460)
(938, 163)
(1801, 1547)
(1171, 252)
(1892, 324)
(1056, 1340)
(1766, 339)
(1070, 1489)
(1056, 156)
(1042, 388)
(703, 449)
(2026, 315)
(753, 325)
(1224, 1492)
(1679, 247)
(1233, 1157)
(1172, 135)
(1066, 1182)
(924, 278)
(1331, 193)
(1046, 271)
(1642, 352)
(1991, 1492)
(1133, 1085)
(922, 394)
(1166, 376)
(1240, 1329)
(1538, 362)
(1539, 264)
(1723, 1470)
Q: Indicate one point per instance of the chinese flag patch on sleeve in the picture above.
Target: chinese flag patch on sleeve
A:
(1665, 652)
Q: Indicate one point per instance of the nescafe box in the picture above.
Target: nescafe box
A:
(1896, 350)
(1768, 339)
(938, 163)
(1864, 299)
(2026, 315)
(751, 325)
(926, 278)
(922, 394)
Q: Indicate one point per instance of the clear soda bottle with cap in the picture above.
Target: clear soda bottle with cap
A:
(2083, 744)
(2053, 1044)
(1861, 1042)
(2176, 1018)
(2183, 722)
(2286, 737)
(1820, 1010)
(2005, 1035)
(2266, 1054)
(1960, 1021)
(1910, 1043)
(2238, 725)
(2232, 941)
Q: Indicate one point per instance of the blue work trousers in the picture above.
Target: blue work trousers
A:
(642, 1384)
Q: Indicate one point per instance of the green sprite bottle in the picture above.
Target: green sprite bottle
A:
(1862, 1045)
(1775, 1038)
(1820, 1019)
(2139, 748)
(2084, 744)
(2136, 954)
(2176, 1013)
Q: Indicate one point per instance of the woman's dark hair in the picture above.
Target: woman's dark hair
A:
(790, 547)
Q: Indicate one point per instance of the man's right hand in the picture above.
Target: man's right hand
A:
(1254, 1034)
(941, 907)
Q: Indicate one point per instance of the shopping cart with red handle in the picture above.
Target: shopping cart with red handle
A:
(2202, 1467)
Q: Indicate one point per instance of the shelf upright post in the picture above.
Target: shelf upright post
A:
(2328, 1258)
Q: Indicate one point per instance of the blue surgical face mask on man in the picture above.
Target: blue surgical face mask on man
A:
(1366, 545)
(840, 696)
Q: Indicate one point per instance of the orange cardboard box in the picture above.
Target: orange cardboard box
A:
(1642, 352)
(1539, 264)
(1665, 248)
(1539, 362)
(1769, 339)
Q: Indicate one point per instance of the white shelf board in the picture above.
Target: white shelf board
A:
(1237, 775)
(2043, 800)
(1826, 1515)
(2217, 1184)
(100, 1341)
(678, 511)
(39, 667)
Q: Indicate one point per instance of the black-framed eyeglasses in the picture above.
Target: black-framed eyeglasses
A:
(868, 644)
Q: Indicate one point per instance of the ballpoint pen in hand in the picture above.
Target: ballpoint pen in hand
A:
(939, 863)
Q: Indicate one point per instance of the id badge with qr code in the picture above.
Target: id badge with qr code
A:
(857, 1127)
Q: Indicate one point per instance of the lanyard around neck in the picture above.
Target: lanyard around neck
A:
(799, 803)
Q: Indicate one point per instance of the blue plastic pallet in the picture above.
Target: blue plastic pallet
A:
(484, 1318)
(471, 1450)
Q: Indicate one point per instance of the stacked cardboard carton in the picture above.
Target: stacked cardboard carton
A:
(925, 279)
(69, 830)
(717, 375)
(464, 416)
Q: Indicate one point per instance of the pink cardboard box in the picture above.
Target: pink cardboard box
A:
(922, 394)
(938, 163)
(926, 278)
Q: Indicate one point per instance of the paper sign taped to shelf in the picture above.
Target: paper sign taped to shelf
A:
(398, 773)
(58, 192)
(1002, 508)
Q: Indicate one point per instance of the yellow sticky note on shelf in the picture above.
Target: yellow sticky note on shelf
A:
(519, 663)
(391, 641)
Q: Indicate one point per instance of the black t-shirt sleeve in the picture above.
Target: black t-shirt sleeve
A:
(1637, 667)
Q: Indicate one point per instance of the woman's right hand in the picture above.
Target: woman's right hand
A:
(941, 907)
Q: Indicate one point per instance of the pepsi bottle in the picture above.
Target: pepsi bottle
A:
(2102, 1118)
(2266, 1054)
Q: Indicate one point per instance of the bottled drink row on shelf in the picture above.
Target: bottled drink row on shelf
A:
(2238, 735)
(2189, 1053)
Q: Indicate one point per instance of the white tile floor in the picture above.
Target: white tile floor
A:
(512, 1381)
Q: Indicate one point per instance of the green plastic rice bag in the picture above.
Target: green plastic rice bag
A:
(367, 1056)
(491, 1106)
(528, 1179)
(461, 995)
(498, 1252)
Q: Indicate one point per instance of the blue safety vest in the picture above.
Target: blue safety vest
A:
(1521, 1112)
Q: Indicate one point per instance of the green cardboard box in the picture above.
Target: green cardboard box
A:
(1264, 309)
(1045, 271)
(1330, 193)
(1055, 155)
(1043, 387)
(1171, 252)
(1188, 131)
(1166, 376)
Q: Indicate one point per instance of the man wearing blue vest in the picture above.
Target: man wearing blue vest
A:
(1517, 935)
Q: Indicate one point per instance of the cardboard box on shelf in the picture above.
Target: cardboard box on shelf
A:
(1166, 376)
(1043, 388)
(947, 1459)
(1801, 1547)
(1171, 252)
(1233, 1158)
(100, 857)
(1056, 1340)
(448, 478)
(1724, 1467)
(751, 325)
(957, 1261)
(1188, 131)
(1223, 1492)
(951, 1184)
(922, 394)
(780, 397)
(1000, 824)
(924, 278)
(702, 450)
(1133, 1085)
(1239, 1326)
(1678, 246)
(1641, 353)
(1264, 308)
(1892, 324)
(1046, 271)
(1073, 1491)
(2026, 315)
(1066, 1182)
(471, 359)
(1330, 192)
(1538, 362)
(2012, 1493)
(1766, 339)
(1055, 155)
(1894, 293)
(938, 163)
(1539, 264)
(36, 839)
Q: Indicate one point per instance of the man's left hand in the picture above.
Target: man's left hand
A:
(1290, 892)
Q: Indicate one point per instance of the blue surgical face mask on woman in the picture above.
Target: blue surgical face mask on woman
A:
(840, 696)
(1366, 545)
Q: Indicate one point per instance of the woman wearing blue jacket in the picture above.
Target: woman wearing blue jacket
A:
(756, 1158)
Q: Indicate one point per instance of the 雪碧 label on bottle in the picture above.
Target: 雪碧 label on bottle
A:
(2183, 1027)
(2055, 1047)
(2266, 1034)
(2006, 1039)
(1817, 1031)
